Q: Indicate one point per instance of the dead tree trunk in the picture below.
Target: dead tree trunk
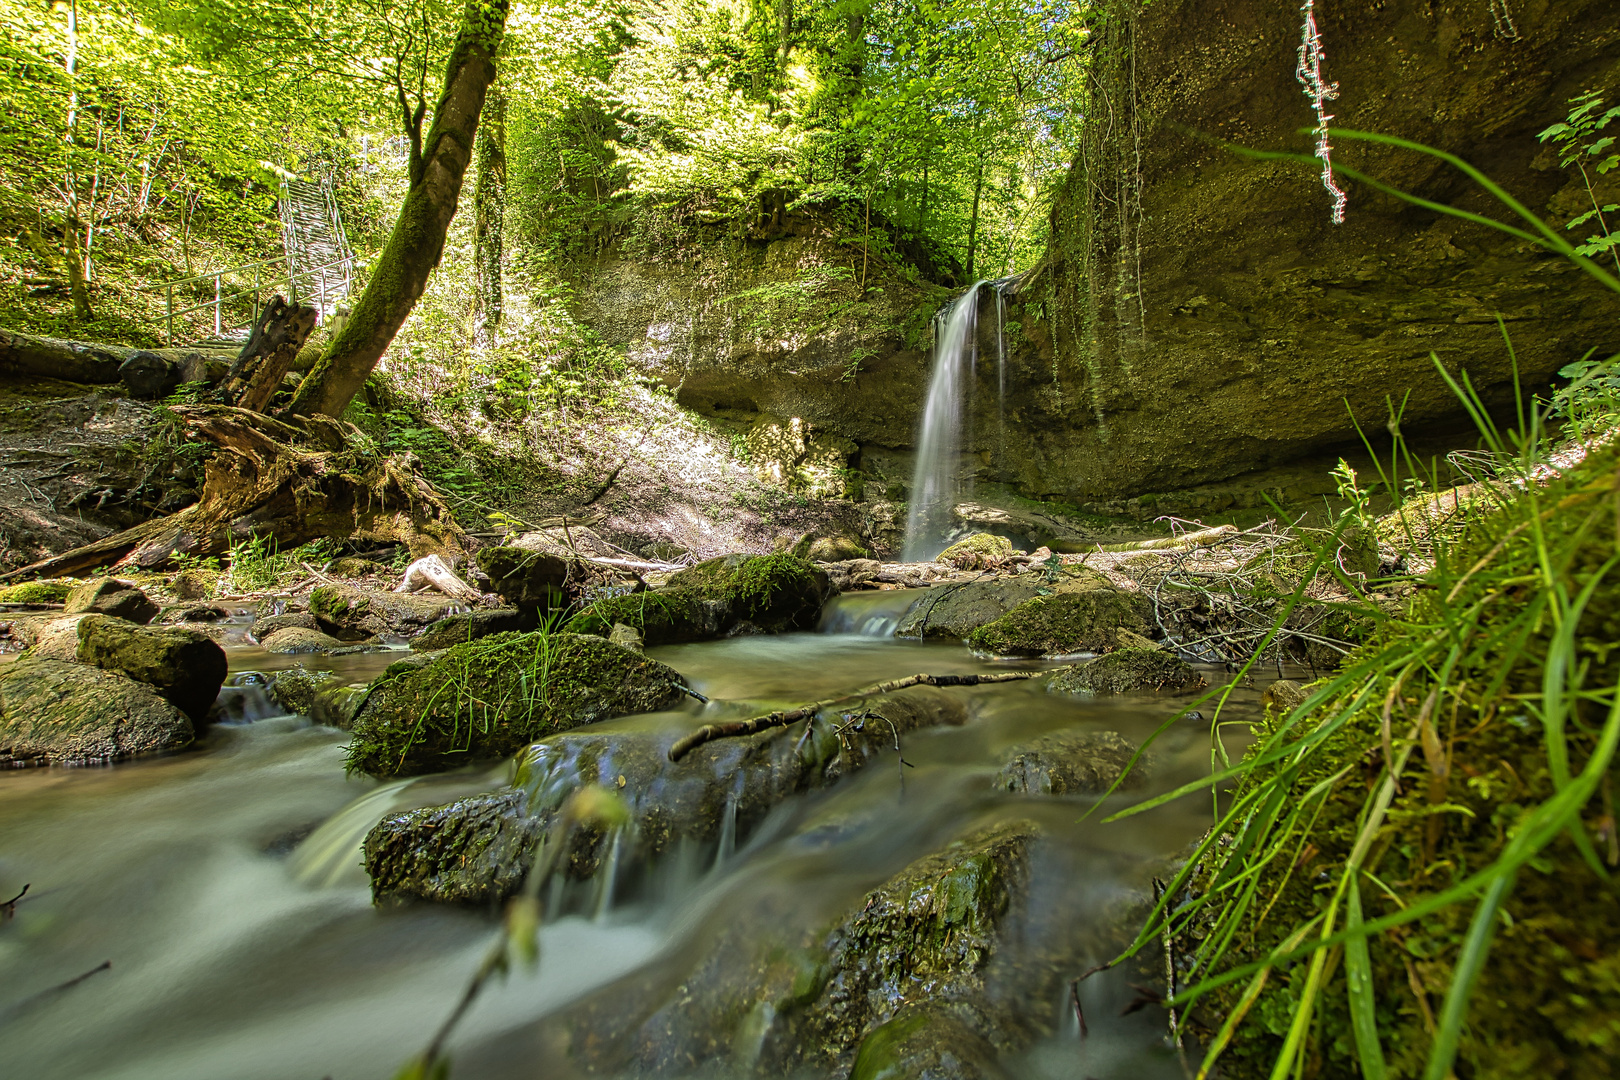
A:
(437, 166)
(265, 360)
(293, 481)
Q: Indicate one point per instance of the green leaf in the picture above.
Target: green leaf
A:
(1363, 996)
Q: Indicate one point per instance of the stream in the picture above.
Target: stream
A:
(224, 884)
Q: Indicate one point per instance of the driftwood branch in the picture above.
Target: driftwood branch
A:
(783, 717)
(430, 571)
(1171, 543)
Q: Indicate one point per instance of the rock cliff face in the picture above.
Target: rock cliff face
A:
(1197, 316)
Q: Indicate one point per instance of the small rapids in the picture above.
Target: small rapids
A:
(225, 884)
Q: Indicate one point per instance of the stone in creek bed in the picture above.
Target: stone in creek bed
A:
(354, 614)
(54, 712)
(1068, 763)
(263, 628)
(479, 848)
(955, 611)
(470, 626)
(296, 639)
(185, 666)
(111, 596)
(1129, 670)
(295, 688)
(1064, 624)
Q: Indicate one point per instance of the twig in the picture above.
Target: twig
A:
(10, 1012)
(784, 717)
(9, 908)
(1079, 1013)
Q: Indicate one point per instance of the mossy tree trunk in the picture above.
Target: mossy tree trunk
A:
(489, 215)
(438, 164)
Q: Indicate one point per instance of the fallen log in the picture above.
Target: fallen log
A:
(1200, 538)
(85, 362)
(783, 717)
(290, 481)
(430, 572)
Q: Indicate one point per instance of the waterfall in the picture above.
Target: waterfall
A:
(939, 444)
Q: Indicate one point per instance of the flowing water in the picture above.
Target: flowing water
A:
(224, 884)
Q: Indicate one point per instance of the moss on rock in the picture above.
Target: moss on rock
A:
(54, 712)
(470, 626)
(977, 552)
(295, 689)
(36, 592)
(773, 592)
(1068, 763)
(663, 617)
(185, 666)
(351, 613)
(490, 698)
(1063, 624)
(1129, 670)
(526, 579)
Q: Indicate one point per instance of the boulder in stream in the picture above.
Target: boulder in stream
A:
(955, 611)
(664, 616)
(528, 580)
(479, 848)
(351, 613)
(770, 592)
(1129, 670)
(1068, 763)
(492, 697)
(111, 596)
(269, 624)
(291, 640)
(54, 712)
(470, 626)
(1064, 624)
(977, 552)
(295, 688)
(187, 667)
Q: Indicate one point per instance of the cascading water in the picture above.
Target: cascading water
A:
(934, 483)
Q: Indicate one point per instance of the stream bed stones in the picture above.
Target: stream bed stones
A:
(56, 712)
(186, 667)
(352, 613)
(1129, 670)
(1064, 624)
(479, 848)
(1067, 763)
(492, 697)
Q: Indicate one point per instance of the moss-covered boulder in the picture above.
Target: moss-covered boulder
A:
(531, 580)
(468, 626)
(1283, 697)
(1068, 763)
(351, 613)
(295, 688)
(927, 1042)
(492, 697)
(836, 548)
(977, 552)
(60, 713)
(1129, 670)
(269, 624)
(195, 584)
(36, 592)
(185, 666)
(335, 704)
(111, 596)
(772, 592)
(479, 848)
(292, 640)
(663, 617)
(1064, 624)
(955, 611)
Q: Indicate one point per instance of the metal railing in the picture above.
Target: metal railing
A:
(286, 280)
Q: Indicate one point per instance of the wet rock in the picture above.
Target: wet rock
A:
(194, 584)
(838, 548)
(1068, 763)
(194, 613)
(927, 1042)
(525, 579)
(1128, 670)
(1064, 624)
(111, 596)
(353, 613)
(334, 705)
(773, 592)
(269, 624)
(470, 626)
(35, 592)
(627, 636)
(492, 697)
(58, 713)
(290, 640)
(479, 848)
(977, 552)
(955, 611)
(184, 666)
(1283, 697)
(663, 616)
(295, 689)
(54, 638)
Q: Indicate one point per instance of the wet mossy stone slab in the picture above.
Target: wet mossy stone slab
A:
(36, 592)
(351, 613)
(664, 616)
(468, 626)
(786, 998)
(977, 551)
(771, 592)
(1069, 763)
(1127, 671)
(295, 688)
(291, 640)
(525, 579)
(1064, 624)
(478, 849)
(56, 712)
(186, 667)
(955, 611)
(492, 697)
(927, 1042)
(111, 596)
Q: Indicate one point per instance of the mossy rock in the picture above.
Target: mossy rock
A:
(479, 848)
(1064, 624)
(36, 592)
(526, 579)
(111, 596)
(663, 617)
(55, 712)
(492, 697)
(295, 689)
(835, 549)
(977, 552)
(1129, 670)
(1068, 763)
(185, 666)
(470, 626)
(773, 592)
(352, 567)
(352, 613)
(195, 584)
(291, 640)
(955, 611)
(927, 1042)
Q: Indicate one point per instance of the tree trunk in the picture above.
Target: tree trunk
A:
(973, 220)
(489, 215)
(70, 179)
(438, 164)
(293, 482)
(264, 361)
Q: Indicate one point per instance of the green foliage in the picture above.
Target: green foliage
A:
(1582, 145)
(1590, 404)
(258, 565)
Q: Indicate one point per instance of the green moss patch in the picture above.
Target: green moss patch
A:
(1063, 624)
(977, 551)
(774, 592)
(35, 592)
(1126, 671)
(665, 617)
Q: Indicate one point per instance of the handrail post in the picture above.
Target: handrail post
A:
(216, 306)
(169, 309)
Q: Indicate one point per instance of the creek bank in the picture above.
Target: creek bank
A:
(480, 848)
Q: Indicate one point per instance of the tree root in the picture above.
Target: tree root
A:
(783, 717)
(292, 482)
